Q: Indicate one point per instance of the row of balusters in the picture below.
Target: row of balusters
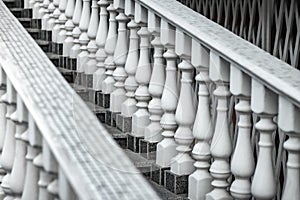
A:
(28, 169)
(112, 42)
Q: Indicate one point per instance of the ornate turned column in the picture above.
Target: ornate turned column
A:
(99, 75)
(200, 179)
(166, 149)
(117, 97)
(140, 119)
(265, 104)
(290, 125)
(242, 163)
(75, 49)
(82, 57)
(153, 130)
(17, 177)
(90, 66)
(31, 188)
(8, 150)
(221, 145)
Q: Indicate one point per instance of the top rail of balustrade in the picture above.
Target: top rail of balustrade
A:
(94, 164)
(260, 65)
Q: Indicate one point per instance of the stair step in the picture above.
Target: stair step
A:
(17, 12)
(25, 21)
(10, 3)
(34, 32)
(53, 57)
(45, 45)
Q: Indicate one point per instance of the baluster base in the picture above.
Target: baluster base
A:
(148, 149)
(36, 23)
(158, 174)
(73, 63)
(103, 100)
(176, 183)
(111, 118)
(87, 81)
(124, 123)
(62, 62)
(133, 142)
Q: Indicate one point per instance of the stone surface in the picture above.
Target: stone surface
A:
(103, 100)
(133, 142)
(176, 184)
(123, 123)
(158, 174)
(111, 118)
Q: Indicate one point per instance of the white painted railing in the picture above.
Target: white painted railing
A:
(232, 139)
(52, 145)
(218, 109)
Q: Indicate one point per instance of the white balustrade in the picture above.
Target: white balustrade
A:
(31, 3)
(242, 163)
(3, 110)
(82, 57)
(128, 107)
(54, 23)
(140, 119)
(166, 149)
(48, 8)
(117, 97)
(109, 48)
(200, 180)
(289, 124)
(153, 130)
(36, 9)
(221, 145)
(99, 75)
(43, 8)
(8, 151)
(264, 103)
(90, 66)
(50, 22)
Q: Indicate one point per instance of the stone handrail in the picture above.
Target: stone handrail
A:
(72, 149)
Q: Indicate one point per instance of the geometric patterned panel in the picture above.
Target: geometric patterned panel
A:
(273, 25)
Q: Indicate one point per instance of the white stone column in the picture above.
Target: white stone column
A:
(17, 177)
(75, 50)
(221, 145)
(289, 124)
(265, 104)
(8, 151)
(110, 45)
(82, 57)
(117, 97)
(153, 130)
(99, 75)
(242, 163)
(129, 105)
(166, 149)
(182, 164)
(31, 188)
(3, 111)
(90, 66)
(200, 180)
(69, 26)
(140, 119)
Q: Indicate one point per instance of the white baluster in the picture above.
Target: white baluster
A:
(36, 8)
(31, 189)
(69, 26)
(31, 3)
(265, 104)
(182, 164)
(129, 105)
(51, 166)
(221, 147)
(99, 75)
(48, 174)
(8, 151)
(242, 163)
(90, 67)
(61, 35)
(117, 97)
(46, 14)
(200, 180)
(55, 27)
(26, 4)
(43, 8)
(3, 111)
(65, 190)
(110, 45)
(17, 177)
(140, 119)
(75, 50)
(166, 149)
(51, 20)
(82, 57)
(288, 118)
(153, 130)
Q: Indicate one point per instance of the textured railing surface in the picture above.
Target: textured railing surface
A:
(272, 25)
(92, 164)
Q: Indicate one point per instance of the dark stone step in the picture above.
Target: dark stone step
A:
(45, 45)
(17, 12)
(67, 74)
(25, 21)
(54, 58)
(10, 3)
(34, 32)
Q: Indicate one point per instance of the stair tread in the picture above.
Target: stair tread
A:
(42, 42)
(33, 30)
(52, 55)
